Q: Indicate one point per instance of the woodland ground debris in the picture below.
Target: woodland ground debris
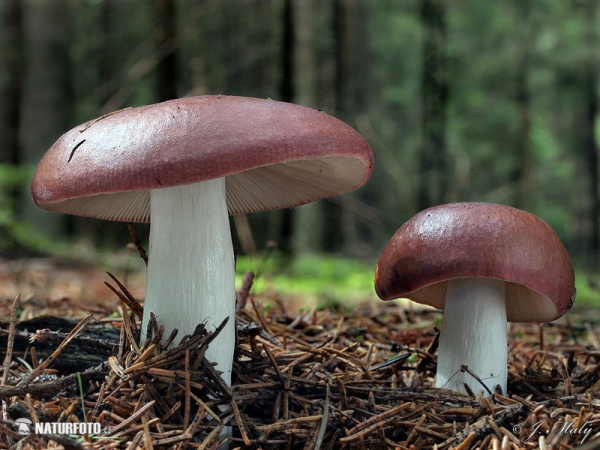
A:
(317, 379)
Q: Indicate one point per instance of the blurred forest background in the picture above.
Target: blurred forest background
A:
(461, 101)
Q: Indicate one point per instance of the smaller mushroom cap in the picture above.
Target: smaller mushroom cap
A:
(467, 240)
(272, 154)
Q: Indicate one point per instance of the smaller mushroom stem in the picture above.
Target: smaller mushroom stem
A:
(191, 268)
(473, 335)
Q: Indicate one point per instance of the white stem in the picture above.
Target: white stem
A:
(473, 334)
(191, 273)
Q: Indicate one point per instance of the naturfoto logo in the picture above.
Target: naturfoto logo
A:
(26, 426)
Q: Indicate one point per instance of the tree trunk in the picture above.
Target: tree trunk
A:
(590, 89)
(307, 219)
(11, 38)
(520, 175)
(10, 112)
(357, 102)
(45, 91)
(166, 20)
(288, 94)
(333, 236)
(433, 161)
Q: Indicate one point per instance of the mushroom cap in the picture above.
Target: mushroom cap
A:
(273, 155)
(467, 240)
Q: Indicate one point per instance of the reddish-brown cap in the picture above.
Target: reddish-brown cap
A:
(465, 240)
(273, 155)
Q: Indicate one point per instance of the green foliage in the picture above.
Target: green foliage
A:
(13, 179)
(588, 290)
(328, 280)
(16, 234)
(338, 283)
(237, 48)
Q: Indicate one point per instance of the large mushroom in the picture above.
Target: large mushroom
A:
(185, 165)
(483, 264)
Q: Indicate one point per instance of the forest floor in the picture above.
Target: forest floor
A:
(303, 378)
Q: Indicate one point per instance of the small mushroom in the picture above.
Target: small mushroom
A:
(185, 165)
(483, 264)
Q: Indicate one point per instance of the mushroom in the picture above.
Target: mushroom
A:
(185, 165)
(483, 264)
